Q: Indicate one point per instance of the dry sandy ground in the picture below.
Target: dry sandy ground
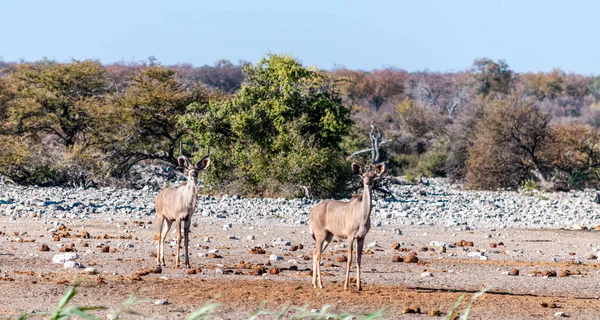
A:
(29, 281)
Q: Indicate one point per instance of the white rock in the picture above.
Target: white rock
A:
(219, 271)
(62, 258)
(560, 315)
(71, 265)
(161, 302)
(91, 270)
(426, 274)
(274, 257)
(475, 254)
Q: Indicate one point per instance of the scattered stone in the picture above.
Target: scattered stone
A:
(412, 258)
(274, 257)
(435, 313)
(257, 250)
(441, 249)
(293, 248)
(548, 273)
(104, 249)
(514, 272)
(68, 248)
(475, 254)
(71, 265)
(341, 258)
(464, 243)
(91, 270)
(161, 302)
(411, 309)
(395, 246)
(493, 245)
(426, 274)
(62, 258)
(44, 247)
(591, 256)
(560, 315)
(274, 271)
(213, 255)
(397, 259)
(258, 271)
(564, 273)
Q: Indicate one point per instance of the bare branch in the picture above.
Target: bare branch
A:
(368, 149)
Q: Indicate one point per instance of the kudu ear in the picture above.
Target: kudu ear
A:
(356, 168)
(379, 169)
(183, 162)
(203, 163)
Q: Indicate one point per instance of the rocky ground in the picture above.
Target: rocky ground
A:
(248, 251)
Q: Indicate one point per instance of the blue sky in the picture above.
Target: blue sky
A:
(413, 35)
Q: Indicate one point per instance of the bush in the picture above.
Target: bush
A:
(508, 145)
(280, 132)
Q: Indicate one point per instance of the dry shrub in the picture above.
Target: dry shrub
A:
(507, 146)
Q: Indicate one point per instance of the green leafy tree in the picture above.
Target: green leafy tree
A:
(280, 132)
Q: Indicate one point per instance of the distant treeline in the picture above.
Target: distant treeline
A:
(279, 128)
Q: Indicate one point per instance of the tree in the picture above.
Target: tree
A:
(280, 132)
(508, 145)
(492, 76)
(56, 99)
(147, 114)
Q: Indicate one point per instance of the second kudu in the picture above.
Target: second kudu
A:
(347, 220)
(178, 205)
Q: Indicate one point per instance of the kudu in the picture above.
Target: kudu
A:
(347, 220)
(178, 205)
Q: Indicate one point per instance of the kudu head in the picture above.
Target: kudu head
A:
(193, 169)
(369, 177)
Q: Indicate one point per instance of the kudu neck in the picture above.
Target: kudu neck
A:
(366, 200)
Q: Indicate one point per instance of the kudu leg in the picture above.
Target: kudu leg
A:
(178, 226)
(163, 236)
(359, 248)
(317, 261)
(349, 263)
(159, 223)
(186, 239)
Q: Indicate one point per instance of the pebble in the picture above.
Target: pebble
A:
(160, 302)
(274, 257)
(64, 257)
(475, 254)
(426, 274)
(560, 315)
(71, 265)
